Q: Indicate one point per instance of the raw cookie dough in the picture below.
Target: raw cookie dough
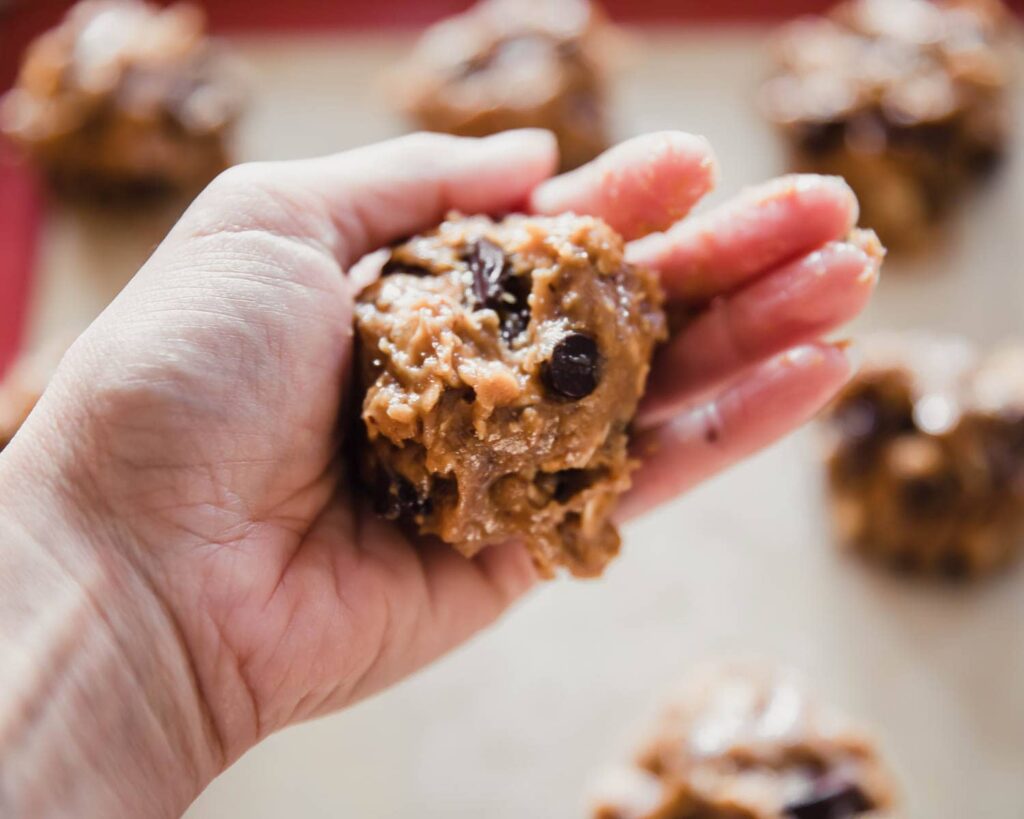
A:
(926, 457)
(745, 742)
(124, 97)
(503, 363)
(907, 99)
(509, 64)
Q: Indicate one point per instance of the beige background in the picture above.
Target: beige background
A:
(514, 724)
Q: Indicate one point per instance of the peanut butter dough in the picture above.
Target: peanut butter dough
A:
(125, 97)
(925, 454)
(745, 742)
(503, 363)
(508, 64)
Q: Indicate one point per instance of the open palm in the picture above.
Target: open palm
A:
(211, 401)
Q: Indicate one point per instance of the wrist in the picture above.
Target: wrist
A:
(100, 713)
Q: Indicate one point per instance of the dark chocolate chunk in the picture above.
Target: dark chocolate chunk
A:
(396, 497)
(854, 460)
(935, 137)
(953, 565)
(496, 288)
(983, 160)
(830, 799)
(572, 370)
(487, 264)
(570, 482)
(1004, 451)
(514, 306)
(820, 138)
(930, 495)
(904, 562)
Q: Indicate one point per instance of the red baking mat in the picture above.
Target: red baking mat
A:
(20, 200)
(20, 217)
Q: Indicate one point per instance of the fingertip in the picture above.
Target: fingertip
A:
(681, 168)
(830, 195)
(639, 186)
(846, 198)
(693, 151)
(850, 260)
(870, 245)
(666, 149)
(537, 145)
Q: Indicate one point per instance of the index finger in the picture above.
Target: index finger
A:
(358, 201)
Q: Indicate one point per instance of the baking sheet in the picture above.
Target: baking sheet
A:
(516, 723)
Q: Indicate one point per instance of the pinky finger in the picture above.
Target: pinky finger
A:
(773, 400)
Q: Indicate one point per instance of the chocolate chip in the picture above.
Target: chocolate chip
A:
(903, 563)
(936, 138)
(1004, 450)
(570, 482)
(572, 370)
(820, 138)
(985, 159)
(496, 288)
(929, 495)
(514, 306)
(396, 497)
(487, 265)
(953, 565)
(854, 460)
(830, 799)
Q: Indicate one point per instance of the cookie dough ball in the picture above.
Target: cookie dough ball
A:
(925, 457)
(907, 99)
(125, 97)
(509, 64)
(746, 742)
(503, 363)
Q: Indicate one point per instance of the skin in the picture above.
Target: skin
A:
(186, 568)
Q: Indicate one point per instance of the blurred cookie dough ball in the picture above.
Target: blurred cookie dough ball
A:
(743, 741)
(906, 99)
(125, 97)
(925, 456)
(507, 64)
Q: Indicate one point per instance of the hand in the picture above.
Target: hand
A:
(187, 450)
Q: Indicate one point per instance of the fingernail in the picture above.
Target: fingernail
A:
(805, 355)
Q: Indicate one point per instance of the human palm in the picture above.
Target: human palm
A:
(212, 399)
